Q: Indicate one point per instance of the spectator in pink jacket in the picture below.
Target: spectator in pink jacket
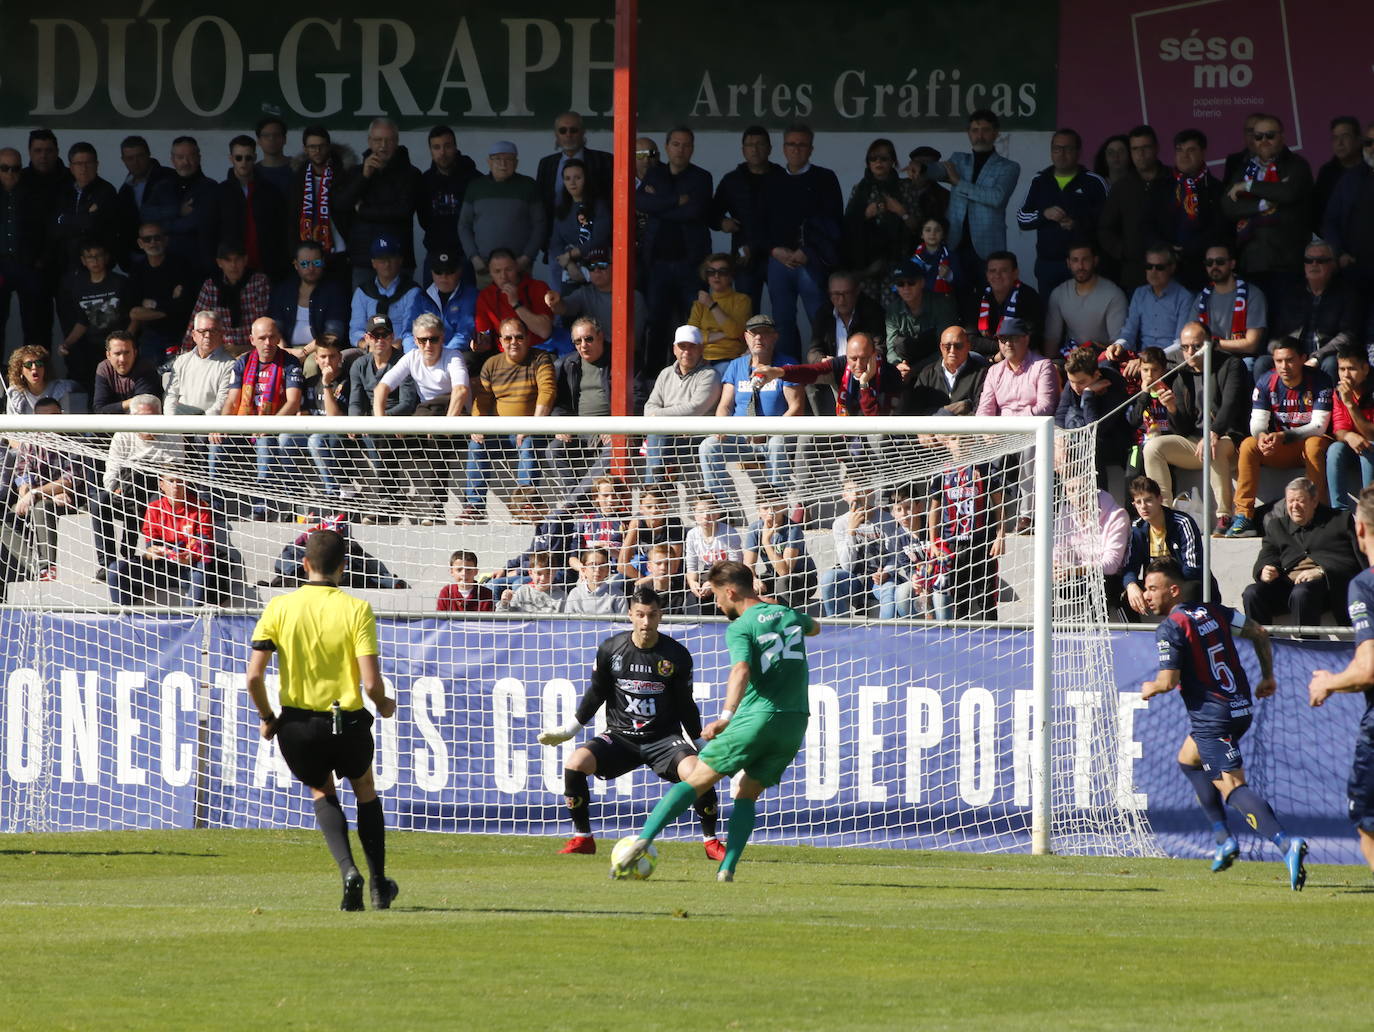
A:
(1020, 383)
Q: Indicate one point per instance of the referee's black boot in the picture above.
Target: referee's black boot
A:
(352, 891)
(383, 892)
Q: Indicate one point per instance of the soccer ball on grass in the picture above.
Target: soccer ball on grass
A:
(641, 868)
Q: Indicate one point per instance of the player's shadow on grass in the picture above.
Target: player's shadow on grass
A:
(542, 911)
(987, 888)
(104, 852)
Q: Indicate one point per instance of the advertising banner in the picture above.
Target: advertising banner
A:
(918, 739)
(882, 67)
(1207, 64)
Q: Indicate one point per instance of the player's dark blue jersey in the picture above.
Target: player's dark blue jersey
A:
(1197, 642)
(1361, 597)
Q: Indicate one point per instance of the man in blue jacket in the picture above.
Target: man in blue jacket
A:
(1161, 533)
(452, 297)
(1062, 206)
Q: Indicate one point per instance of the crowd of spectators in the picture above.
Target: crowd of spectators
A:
(293, 285)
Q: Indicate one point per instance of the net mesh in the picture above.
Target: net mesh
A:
(136, 569)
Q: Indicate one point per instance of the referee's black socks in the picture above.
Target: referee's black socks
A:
(330, 817)
(372, 836)
(578, 794)
(707, 807)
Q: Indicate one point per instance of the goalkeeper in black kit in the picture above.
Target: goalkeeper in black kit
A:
(645, 681)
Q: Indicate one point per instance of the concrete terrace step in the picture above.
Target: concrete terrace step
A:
(419, 555)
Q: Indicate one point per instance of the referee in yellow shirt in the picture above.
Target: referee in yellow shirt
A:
(326, 644)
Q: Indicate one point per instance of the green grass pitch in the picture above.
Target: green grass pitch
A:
(236, 929)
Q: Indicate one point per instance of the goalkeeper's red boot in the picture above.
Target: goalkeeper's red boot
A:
(715, 849)
(582, 844)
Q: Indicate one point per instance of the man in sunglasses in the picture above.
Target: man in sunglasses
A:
(163, 288)
(21, 237)
(451, 298)
(570, 141)
(518, 381)
(1323, 311)
(593, 298)
(252, 212)
(1270, 202)
(1158, 310)
(1234, 311)
(308, 305)
(584, 389)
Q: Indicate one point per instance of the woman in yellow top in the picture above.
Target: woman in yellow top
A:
(720, 312)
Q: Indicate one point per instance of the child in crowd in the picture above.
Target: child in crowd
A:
(539, 596)
(708, 542)
(594, 592)
(775, 549)
(653, 526)
(664, 575)
(554, 537)
(1148, 413)
(604, 526)
(910, 580)
(465, 595)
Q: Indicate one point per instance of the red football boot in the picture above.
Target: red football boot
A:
(586, 844)
(715, 849)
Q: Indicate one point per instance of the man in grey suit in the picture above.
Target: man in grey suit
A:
(980, 185)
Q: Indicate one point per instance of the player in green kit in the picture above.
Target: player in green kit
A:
(762, 725)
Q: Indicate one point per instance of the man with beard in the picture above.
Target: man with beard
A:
(980, 185)
(442, 188)
(1086, 308)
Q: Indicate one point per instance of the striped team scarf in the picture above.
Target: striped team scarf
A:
(940, 263)
(315, 207)
(1258, 172)
(985, 326)
(1238, 312)
(271, 392)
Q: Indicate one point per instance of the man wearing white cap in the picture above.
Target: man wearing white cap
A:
(502, 210)
(688, 387)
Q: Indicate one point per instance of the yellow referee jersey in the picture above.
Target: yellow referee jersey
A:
(318, 633)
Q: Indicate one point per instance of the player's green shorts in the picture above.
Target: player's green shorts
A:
(761, 744)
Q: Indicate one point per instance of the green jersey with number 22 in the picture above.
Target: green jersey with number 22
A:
(771, 639)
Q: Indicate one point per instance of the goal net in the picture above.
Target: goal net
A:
(138, 551)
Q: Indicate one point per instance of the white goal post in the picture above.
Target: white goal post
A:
(949, 682)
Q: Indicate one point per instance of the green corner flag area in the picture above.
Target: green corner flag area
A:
(236, 929)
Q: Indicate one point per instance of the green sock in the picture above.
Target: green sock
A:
(675, 802)
(737, 837)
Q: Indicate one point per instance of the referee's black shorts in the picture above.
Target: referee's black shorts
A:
(313, 751)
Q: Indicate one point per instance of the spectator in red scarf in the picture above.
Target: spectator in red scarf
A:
(252, 213)
(267, 381)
